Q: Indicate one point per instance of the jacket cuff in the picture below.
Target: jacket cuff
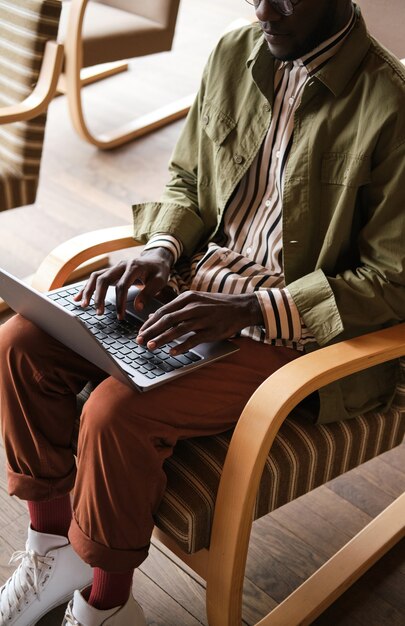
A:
(315, 301)
(179, 221)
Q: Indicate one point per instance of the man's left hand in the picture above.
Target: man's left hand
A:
(209, 316)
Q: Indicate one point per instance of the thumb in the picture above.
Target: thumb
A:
(150, 289)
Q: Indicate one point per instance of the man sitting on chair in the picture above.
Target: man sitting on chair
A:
(283, 225)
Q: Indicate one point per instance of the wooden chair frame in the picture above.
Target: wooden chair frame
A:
(38, 100)
(223, 564)
(73, 82)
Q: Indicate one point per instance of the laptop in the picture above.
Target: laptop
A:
(103, 340)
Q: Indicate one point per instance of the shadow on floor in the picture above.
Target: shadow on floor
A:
(53, 618)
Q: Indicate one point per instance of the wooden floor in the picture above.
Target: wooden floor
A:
(82, 189)
(286, 547)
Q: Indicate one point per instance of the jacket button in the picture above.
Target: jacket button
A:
(238, 159)
(205, 120)
(267, 107)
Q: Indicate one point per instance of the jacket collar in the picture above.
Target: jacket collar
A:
(335, 75)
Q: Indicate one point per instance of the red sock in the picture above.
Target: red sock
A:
(110, 589)
(52, 517)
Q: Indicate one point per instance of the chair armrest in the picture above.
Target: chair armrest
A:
(264, 414)
(279, 394)
(56, 268)
(43, 92)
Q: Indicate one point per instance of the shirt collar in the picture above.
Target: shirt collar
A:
(337, 73)
(334, 74)
(320, 55)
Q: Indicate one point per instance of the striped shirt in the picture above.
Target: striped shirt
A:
(248, 254)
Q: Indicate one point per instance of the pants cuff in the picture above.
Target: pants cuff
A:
(39, 489)
(101, 556)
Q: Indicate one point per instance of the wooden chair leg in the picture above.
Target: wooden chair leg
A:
(311, 598)
(73, 86)
(253, 437)
(89, 75)
(133, 129)
(342, 570)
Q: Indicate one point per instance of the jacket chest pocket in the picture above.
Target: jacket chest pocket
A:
(216, 124)
(342, 177)
(346, 170)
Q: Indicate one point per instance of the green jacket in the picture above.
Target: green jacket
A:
(344, 193)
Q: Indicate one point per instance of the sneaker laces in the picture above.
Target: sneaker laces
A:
(26, 579)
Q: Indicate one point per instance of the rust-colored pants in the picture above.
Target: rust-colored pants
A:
(125, 436)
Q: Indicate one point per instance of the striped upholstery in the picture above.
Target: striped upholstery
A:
(25, 26)
(302, 457)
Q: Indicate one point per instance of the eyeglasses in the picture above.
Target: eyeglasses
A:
(285, 7)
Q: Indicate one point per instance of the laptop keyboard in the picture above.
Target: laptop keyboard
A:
(118, 338)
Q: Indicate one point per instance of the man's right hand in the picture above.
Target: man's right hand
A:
(151, 268)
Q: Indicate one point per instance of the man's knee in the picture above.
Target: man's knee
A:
(19, 336)
(115, 414)
(105, 408)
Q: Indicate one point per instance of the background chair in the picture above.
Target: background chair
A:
(274, 455)
(102, 31)
(30, 64)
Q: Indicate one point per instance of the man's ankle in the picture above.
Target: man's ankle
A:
(109, 589)
(51, 517)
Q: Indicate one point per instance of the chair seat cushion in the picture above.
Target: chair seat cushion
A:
(303, 456)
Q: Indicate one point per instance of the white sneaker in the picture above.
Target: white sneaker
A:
(80, 613)
(49, 572)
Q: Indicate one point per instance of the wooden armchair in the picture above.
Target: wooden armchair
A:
(30, 64)
(238, 470)
(104, 31)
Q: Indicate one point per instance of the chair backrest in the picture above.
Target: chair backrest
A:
(163, 12)
(114, 30)
(385, 19)
(25, 27)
